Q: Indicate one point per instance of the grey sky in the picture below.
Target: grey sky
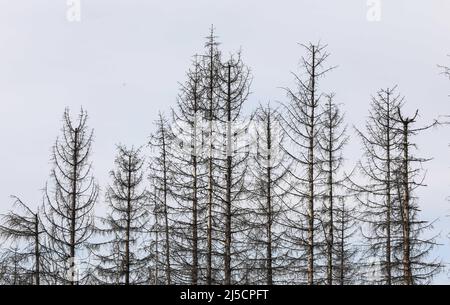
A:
(123, 60)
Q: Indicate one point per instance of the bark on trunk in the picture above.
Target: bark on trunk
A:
(310, 270)
(228, 187)
(269, 205)
(405, 210)
(73, 210)
(36, 249)
(166, 217)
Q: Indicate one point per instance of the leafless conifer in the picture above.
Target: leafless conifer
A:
(415, 264)
(23, 225)
(122, 258)
(302, 125)
(161, 178)
(269, 171)
(71, 196)
(211, 68)
(336, 215)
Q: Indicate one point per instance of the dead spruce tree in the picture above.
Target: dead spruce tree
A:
(414, 262)
(347, 265)
(335, 214)
(154, 243)
(210, 68)
(13, 269)
(189, 167)
(161, 180)
(302, 125)
(269, 171)
(232, 155)
(122, 257)
(378, 195)
(23, 226)
(70, 196)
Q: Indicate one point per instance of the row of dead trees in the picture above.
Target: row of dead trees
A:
(228, 198)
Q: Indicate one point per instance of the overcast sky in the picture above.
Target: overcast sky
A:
(122, 62)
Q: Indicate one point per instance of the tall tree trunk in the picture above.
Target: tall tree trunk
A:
(228, 186)
(405, 209)
(37, 250)
(156, 281)
(330, 244)
(388, 194)
(73, 210)
(269, 204)
(310, 270)
(194, 274)
(210, 161)
(342, 260)
(194, 224)
(127, 236)
(166, 217)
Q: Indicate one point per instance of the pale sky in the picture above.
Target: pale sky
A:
(122, 62)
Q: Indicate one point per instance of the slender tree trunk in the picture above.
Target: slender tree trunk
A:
(310, 270)
(388, 194)
(194, 226)
(127, 237)
(210, 170)
(37, 250)
(195, 201)
(15, 268)
(405, 210)
(166, 217)
(342, 260)
(330, 245)
(209, 228)
(156, 282)
(228, 187)
(269, 204)
(73, 210)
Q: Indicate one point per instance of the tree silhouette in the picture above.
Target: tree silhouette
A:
(161, 178)
(302, 125)
(416, 267)
(70, 197)
(335, 214)
(377, 196)
(190, 185)
(234, 89)
(269, 171)
(211, 67)
(122, 258)
(24, 225)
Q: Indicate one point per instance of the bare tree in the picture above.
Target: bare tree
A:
(332, 140)
(189, 167)
(234, 88)
(302, 124)
(13, 267)
(346, 265)
(416, 268)
(71, 198)
(269, 169)
(122, 258)
(154, 245)
(24, 225)
(161, 178)
(211, 68)
(377, 195)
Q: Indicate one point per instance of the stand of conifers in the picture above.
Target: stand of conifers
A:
(228, 198)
